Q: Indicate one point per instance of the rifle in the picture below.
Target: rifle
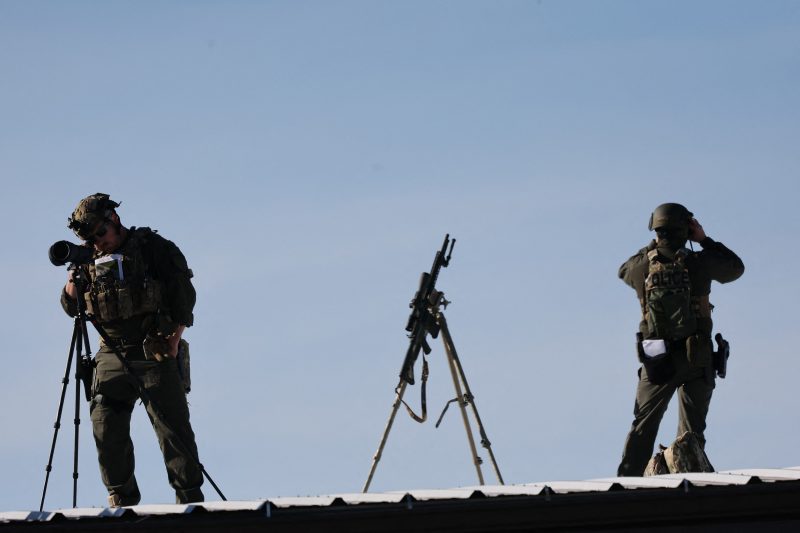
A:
(421, 322)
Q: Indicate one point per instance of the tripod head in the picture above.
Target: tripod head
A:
(436, 300)
(61, 253)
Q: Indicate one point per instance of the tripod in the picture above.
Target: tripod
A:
(83, 365)
(464, 398)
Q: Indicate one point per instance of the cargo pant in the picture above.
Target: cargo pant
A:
(115, 394)
(694, 386)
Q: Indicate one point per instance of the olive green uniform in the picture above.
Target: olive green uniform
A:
(154, 296)
(658, 382)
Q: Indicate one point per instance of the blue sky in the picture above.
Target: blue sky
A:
(308, 158)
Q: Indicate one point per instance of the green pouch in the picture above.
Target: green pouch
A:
(184, 365)
(699, 350)
(107, 304)
(124, 302)
(87, 299)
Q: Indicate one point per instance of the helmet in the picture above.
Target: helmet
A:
(670, 216)
(89, 212)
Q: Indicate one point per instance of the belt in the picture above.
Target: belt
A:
(120, 342)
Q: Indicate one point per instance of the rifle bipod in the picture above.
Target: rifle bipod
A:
(463, 397)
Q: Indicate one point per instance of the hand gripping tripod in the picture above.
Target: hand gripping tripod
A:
(426, 318)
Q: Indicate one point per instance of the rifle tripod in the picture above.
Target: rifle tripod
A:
(464, 398)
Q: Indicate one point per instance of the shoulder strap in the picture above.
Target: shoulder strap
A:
(423, 397)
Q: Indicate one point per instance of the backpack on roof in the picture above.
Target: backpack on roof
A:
(684, 455)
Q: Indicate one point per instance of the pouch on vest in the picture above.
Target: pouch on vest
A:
(699, 350)
(124, 302)
(184, 365)
(120, 285)
(655, 359)
(87, 299)
(107, 305)
(650, 350)
(667, 305)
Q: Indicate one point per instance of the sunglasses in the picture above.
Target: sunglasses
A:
(101, 231)
(668, 233)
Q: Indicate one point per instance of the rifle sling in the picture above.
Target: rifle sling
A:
(423, 397)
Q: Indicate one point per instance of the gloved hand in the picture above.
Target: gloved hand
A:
(156, 348)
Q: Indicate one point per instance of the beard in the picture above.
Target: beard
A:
(111, 240)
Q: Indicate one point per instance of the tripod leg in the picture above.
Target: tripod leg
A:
(77, 426)
(83, 352)
(77, 419)
(462, 401)
(456, 366)
(401, 389)
(57, 425)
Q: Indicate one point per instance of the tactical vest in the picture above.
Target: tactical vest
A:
(668, 307)
(110, 298)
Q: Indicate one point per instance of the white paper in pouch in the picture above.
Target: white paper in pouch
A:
(110, 263)
(654, 347)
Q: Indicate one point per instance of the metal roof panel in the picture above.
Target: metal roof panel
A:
(651, 482)
(303, 501)
(25, 516)
(357, 498)
(163, 508)
(234, 505)
(711, 478)
(93, 512)
(439, 494)
(508, 490)
(767, 474)
(564, 487)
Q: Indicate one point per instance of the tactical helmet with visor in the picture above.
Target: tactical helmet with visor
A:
(91, 215)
